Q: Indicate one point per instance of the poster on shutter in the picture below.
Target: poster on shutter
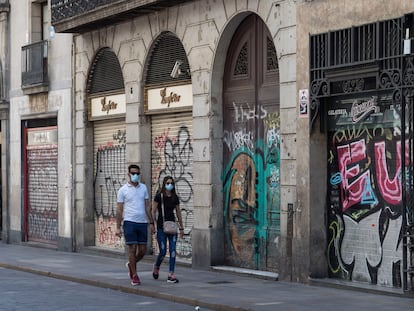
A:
(303, 103)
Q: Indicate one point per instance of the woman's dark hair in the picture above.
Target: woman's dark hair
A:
(164, 181)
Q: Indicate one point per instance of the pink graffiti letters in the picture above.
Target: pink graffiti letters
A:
(356, 180)
(351, 192)
(389, 189)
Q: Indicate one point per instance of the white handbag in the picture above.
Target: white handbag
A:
(169, 227)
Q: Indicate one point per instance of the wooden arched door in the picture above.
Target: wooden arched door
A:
(251, 148)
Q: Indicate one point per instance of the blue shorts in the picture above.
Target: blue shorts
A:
(135, 233)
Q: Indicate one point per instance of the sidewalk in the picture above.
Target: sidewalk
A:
(213, 289)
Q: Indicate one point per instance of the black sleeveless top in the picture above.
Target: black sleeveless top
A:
(169, 205)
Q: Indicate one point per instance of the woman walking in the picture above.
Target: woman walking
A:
(165, 202)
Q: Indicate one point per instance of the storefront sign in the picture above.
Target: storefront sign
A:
(42, 136)
(107, 106)
(173, 97)
(361, 109)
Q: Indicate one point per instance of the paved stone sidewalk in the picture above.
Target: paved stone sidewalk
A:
(213, 289)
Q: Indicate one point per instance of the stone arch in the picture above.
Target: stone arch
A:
(216, 92)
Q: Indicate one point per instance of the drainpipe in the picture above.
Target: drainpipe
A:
(73, 162)
(289, 243)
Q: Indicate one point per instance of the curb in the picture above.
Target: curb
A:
(125, 289)
(359, 287)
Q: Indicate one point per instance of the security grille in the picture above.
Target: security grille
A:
(110, 174)
(166, 51)
(42, 164)
(408, 192)
(106, 73)
(172, 155)
(369, 60)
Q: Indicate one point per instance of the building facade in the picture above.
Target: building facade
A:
(288, 134)
(37, 191)
(202, 91)
(357, 65)
(4, 112)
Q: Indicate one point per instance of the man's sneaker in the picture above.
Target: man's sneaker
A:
(155, 272)
(172, 279)
(129, 269)
(135, 280)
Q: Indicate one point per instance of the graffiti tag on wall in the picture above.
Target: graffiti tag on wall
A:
(251, 179)
(172, 155)
(364, 197)
(109, 177)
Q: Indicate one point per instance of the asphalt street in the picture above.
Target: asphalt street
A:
(218, 288)
(22, 291)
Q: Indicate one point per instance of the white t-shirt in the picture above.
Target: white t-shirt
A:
(133, 199)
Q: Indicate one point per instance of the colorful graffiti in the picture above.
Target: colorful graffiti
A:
(109, 177)
(251, 178)
(240, 206)
(105, 233)
(172, 155)
(364, 201)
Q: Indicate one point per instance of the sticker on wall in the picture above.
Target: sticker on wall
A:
(303, 103)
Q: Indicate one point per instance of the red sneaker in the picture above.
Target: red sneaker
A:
(135, 280)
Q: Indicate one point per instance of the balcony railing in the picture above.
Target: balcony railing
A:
(63, 9)
(77, 16)
(34, 65)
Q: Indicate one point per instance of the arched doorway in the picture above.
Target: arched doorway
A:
(169, 104)
(251, 148)
(107, 109)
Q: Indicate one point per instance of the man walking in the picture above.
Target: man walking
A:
(133, 207)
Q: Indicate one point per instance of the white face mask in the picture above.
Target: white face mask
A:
(134, 178)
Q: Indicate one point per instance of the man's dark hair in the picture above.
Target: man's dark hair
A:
(133, 166)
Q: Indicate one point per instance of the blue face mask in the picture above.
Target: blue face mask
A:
(134, 178)
(169, 187)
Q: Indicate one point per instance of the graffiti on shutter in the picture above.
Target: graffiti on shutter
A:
(42, 170)
(172, 154)
(110, 175)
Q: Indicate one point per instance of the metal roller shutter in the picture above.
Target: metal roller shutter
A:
(110, 175)
(165, 52)
(172, 154)
(106, 73)
(42, 163)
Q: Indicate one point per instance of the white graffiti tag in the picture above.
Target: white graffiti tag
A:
(362, 247)
(243, 112)
(236, 140)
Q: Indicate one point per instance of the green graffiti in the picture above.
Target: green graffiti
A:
(336, 230)
(252, 199)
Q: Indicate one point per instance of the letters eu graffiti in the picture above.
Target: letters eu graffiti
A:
(364, 202)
